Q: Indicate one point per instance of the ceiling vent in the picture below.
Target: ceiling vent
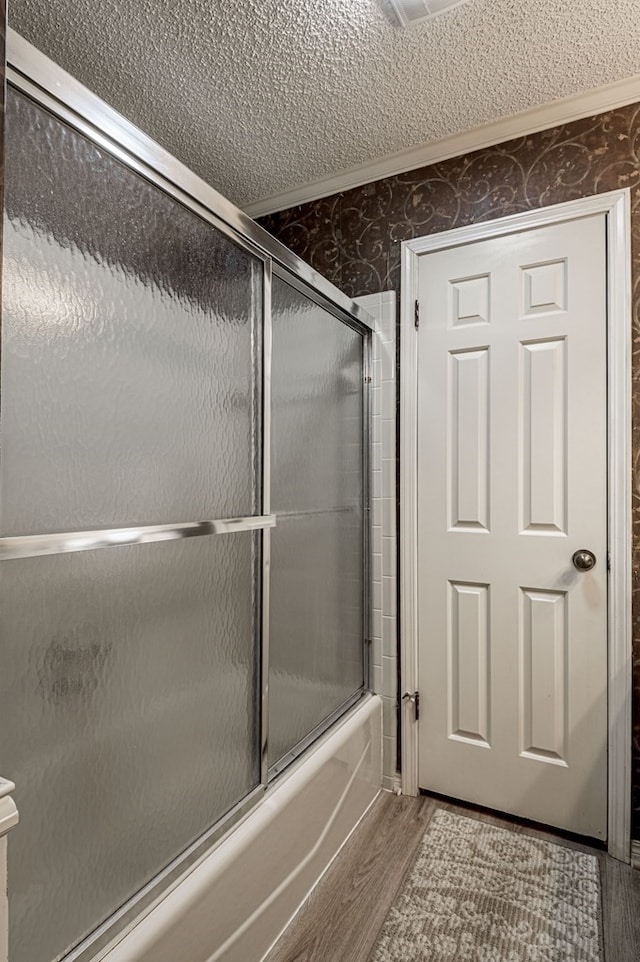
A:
(412, 11)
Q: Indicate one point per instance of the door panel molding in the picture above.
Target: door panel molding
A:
(616, 206)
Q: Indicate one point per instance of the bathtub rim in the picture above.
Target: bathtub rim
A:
(99, 943)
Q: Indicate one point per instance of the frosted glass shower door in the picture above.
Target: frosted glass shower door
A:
(131, 396)
(131, 328)
(317, 580)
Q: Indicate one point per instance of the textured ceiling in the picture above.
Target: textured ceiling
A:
(259, 96)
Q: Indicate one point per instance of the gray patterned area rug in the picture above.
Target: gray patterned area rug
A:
(477, 893)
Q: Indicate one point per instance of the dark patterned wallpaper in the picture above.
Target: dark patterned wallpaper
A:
(3, 34)
(354, 238)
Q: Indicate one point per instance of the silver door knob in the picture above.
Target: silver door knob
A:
(584, 560)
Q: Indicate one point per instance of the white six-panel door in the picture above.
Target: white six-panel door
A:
(512, 476)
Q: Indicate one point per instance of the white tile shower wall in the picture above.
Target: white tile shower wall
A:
(384, 624)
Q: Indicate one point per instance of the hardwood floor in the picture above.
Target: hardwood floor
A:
(341, 919)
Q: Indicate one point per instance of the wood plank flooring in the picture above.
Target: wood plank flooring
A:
(341, 919)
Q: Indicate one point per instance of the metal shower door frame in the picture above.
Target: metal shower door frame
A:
(34, 75)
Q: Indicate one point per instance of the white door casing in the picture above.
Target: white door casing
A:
(497, 557)
(512, 455)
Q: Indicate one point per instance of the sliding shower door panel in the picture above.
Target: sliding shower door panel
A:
(131, 681)
(317, 582)
(131, 345)
(132, 409)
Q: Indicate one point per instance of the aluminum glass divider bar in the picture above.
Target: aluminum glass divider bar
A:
(316, 512)
(267, 353)
(34, 73)
(124, 919)
(35, 545)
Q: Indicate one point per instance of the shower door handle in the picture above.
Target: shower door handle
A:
(35, 545)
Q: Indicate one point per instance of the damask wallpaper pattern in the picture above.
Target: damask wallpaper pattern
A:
(3, 35)
(354, 239)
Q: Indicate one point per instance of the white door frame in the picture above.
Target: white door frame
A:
(616, 205)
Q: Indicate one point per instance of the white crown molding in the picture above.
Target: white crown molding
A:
(575, 107)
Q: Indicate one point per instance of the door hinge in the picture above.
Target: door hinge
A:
(416, 315)
(415, 698)
(608, 561)
(367, 379)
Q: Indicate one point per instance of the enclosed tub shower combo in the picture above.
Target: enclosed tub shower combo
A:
(184, 550)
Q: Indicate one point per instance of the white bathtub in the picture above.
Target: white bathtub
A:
(235, 903)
